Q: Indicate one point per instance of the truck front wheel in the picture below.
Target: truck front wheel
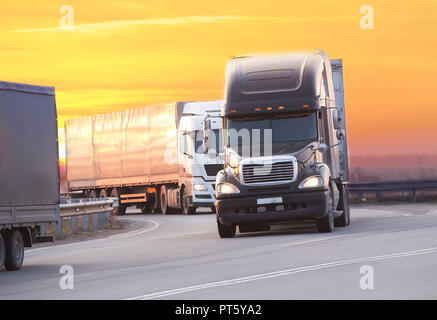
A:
(2, 252)
(326, 224)
(226, 231)
(14, 250)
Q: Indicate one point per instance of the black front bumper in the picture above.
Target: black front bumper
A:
(297, 206)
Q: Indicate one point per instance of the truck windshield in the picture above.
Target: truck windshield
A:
(215, 140)
(279, 134)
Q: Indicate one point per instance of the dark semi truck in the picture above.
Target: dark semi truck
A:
(285, 144)
(29, 174)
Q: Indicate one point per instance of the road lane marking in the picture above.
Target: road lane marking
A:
(281, 273)
(348, 236)
(118, 236)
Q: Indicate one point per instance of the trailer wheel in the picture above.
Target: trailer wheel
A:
(226, 231)
(103, 193)
(326, 224)
(92, 194)
(14, 250)
(2, 252)
(163, 200)
(121, 210)
(186, 209)
(344, 219)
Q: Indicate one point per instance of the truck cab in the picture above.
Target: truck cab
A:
(199, 163)
(285, 147)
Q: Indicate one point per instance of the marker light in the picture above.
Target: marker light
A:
(227, 188)
(306, 106)
(312, 182)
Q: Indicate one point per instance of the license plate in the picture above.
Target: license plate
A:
(269, 200)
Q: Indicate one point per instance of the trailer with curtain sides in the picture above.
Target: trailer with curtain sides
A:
(29, 174)
(144, 156)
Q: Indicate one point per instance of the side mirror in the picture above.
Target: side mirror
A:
(322, 148)
(212, 153)
(206, 127)
(338, 118)
(183, 143)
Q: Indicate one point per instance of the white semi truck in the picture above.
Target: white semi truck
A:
(150, 157)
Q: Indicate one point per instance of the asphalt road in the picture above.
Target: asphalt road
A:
(182, 257)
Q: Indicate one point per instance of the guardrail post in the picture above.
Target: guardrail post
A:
(378, 195)
(102, 220)
(43, 230)
(95, 218)
(86, 223)
(59, 229)
(73, 222)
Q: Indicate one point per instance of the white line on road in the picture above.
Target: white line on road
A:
(282, 273)
(324, 239)
(118, 236)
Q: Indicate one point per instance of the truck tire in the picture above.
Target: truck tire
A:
(344, 219)
(2, 252)
(186, 209)
(326, 224)
(103, 194)
(121, 210)
(163, 201)
(226, 231)
(14, 250)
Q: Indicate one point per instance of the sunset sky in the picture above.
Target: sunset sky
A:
(124, 54)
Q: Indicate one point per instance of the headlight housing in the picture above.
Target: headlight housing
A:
(199, 187)
(312, 182)
(227, 188)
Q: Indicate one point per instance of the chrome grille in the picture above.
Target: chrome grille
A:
(268, 173)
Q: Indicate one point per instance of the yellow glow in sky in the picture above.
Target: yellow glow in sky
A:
(122, 54)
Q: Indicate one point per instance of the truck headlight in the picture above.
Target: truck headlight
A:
(199, 187)
(227, 188)
(312, 182)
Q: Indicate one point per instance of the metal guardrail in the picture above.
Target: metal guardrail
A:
(391, 186)
(89, 206)
(82, 215)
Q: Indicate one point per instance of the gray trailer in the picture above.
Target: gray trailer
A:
(29, 174)
(296, 102)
